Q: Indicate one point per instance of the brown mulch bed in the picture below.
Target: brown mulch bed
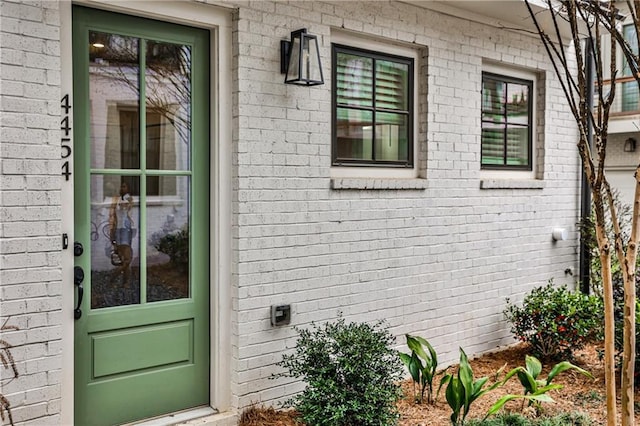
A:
(579, 394)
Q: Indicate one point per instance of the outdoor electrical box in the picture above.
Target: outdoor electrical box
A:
(280, 315)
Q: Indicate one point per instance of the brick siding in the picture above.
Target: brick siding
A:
(437, 262)
(30, 207)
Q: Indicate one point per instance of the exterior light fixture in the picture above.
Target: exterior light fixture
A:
(300, 59)
(97, 40)
(630, 145)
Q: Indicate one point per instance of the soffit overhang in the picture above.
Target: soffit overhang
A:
(506, 14)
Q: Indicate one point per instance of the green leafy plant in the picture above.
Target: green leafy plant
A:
(176, 246)
(351, 373)
(462, 390)
(556, 321)
(535, 389)
(514, 419)
(422, 364)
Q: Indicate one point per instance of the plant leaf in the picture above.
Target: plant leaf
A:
(500, 403)
(563, 366)
(543, 390)
(432, 352)
(415, 346)
(405, 358)
(534, 367)
(445, 379)
(465, 373)
(415, 366)
(527, 380)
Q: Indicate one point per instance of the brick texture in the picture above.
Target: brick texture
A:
(436, 259)
(437, 262)
(30, 207)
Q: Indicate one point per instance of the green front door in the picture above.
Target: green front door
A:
(141, 154)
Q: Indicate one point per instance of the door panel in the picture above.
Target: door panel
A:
(141, 209)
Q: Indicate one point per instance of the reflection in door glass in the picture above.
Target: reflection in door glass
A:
(168, 240)
(115, 259)
(114, 93)
(168, 103)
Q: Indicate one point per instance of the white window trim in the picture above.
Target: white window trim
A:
(373, 172)
(516, 174)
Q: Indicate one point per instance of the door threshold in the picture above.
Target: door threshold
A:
(176, 418)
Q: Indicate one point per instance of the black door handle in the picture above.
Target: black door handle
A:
(78, 277)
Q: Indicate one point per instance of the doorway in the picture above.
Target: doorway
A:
(141, 189)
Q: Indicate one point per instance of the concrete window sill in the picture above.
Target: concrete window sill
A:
(512, 184)
(376, 184)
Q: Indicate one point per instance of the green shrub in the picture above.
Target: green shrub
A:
(351, 374)
(176, 246)
(556, 321)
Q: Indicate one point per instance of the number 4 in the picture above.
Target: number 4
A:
(65, 104)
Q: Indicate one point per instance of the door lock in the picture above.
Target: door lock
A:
(78, 249)
(78, 277)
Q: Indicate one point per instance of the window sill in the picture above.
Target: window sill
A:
(375, 184)
(512, 184)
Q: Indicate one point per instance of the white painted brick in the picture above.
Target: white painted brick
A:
(390, 253)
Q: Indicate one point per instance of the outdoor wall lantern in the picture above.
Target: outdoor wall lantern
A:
(630, 145)
(300, 59)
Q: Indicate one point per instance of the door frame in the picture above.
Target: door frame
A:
(218, 21)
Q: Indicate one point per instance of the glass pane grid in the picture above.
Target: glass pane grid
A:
(505, 122)
(372, 109)
(140, 170)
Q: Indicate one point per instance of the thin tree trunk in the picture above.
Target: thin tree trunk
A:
(609, 325)
(629, 333)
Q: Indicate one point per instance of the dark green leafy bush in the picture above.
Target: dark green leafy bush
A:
(351, 374)
(176, 246)
(556, 321)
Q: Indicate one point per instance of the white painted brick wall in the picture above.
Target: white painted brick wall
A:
(30, 207)
(437, 262)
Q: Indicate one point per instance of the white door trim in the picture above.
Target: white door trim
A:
(218, 21)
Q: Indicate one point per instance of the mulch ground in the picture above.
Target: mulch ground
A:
(579, 393)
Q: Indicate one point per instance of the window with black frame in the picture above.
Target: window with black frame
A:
(372, 108)
(507, 126)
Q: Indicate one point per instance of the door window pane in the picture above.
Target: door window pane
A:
(168, 240)
(115, 260)
(113, 90)
(168, 98)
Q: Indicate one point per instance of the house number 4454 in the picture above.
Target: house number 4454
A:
(65, 139)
